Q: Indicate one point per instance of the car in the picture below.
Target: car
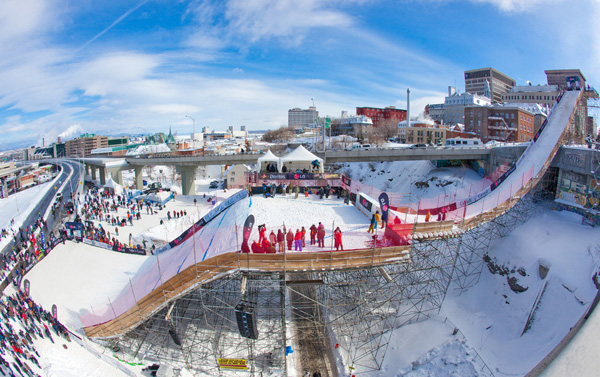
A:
(418, 146)
(59, 196)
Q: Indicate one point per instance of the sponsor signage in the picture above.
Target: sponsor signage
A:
(96, 243)
(239, 364)
(365, 203)
(347, 181)
(502, 178)
(297, 176)
(129, 250)
(384, 203)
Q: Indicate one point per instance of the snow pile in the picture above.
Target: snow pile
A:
(450, 359)
(149, 149)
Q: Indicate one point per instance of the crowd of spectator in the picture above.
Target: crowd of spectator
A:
(23, 322)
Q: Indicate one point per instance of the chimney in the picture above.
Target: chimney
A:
(407, 107)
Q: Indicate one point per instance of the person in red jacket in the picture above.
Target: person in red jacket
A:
(272, 238)
(337, 237)
(321, 235)
(298, 240)
(256, 247)
(313, 234)
(262, 230)
(265, 245)
(281, 241)
(290, 239)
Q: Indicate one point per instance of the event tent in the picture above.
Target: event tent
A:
(113, 186)
(300, 158)
(266, 158)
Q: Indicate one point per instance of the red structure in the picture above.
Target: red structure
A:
(380, 115)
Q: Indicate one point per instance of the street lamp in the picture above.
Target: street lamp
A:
(193, 131)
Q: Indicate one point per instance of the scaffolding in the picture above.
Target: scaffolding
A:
(353, 310)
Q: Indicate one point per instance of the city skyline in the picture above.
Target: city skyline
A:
(142, 66)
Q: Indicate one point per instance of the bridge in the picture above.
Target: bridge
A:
(186, 165)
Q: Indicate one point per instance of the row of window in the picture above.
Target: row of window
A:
(530, 97)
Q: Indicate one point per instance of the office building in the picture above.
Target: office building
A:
(478, 80)
(83, 145)
(302, 118)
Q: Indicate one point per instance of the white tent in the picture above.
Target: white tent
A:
(267, 157)
(300, 158)
(111, 184)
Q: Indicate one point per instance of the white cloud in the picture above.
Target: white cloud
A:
(518, 5)
(256, 20)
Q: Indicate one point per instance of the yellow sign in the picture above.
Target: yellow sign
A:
(233, 364)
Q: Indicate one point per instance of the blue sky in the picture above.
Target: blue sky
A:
(108, 67)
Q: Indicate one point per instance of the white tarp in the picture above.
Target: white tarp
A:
(267, 157)
(117, 188)
(300, 154)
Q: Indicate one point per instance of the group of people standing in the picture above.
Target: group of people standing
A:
(277, 242)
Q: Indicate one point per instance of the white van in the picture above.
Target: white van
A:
(461, 142)
(366, 147)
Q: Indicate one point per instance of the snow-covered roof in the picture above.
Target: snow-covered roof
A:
(147, 149)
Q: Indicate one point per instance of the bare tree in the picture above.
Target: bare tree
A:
(283, 134)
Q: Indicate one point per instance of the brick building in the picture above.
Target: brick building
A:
(504, 123)
(378, 115)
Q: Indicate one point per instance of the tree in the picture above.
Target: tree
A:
(283, 134)
(387, 128)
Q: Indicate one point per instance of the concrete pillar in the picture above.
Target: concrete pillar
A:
(188, 179)
(102, 175)
(93, 168)
(88, 169)
(116, 175)
(139, 179)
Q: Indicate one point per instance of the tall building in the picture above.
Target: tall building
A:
(301, 118)
(83, 145)
(455, 103)
(565, 78)
(378, 116)
(573, 79)
(506, 123)
(478, 80)
(543, 94)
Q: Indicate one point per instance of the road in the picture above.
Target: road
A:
(41, 207)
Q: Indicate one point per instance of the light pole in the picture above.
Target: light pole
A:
(193, 131)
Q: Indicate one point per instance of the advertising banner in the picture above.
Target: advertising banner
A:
(384, 203)
(239, 364)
